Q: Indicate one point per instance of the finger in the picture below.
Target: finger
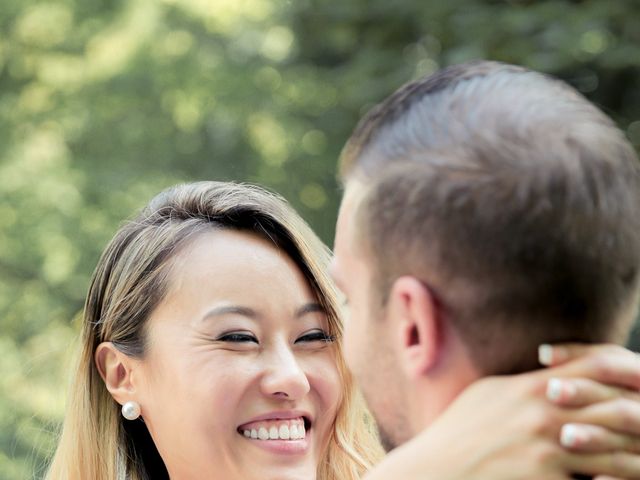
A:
(617, 465)
(621, 415)
(579, 392)
(590, 438)
(606, 364)
(556, 354)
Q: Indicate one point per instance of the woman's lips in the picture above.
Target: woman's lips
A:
(283, 447)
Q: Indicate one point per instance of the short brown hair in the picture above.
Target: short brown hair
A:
(513, 198)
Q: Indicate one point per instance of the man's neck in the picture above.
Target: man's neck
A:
(454, 372)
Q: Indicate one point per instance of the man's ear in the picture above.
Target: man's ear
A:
(416, 318)
(116, 370)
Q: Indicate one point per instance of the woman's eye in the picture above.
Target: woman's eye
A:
(237, 338)
(316, 336)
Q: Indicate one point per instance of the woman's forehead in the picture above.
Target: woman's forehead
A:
(237, 268)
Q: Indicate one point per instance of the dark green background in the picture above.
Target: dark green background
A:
(105, 102)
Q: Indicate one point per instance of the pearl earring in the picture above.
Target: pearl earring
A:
(131, 410)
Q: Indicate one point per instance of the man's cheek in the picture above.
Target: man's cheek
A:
(349, 347)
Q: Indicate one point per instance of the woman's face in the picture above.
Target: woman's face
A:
(239, 378)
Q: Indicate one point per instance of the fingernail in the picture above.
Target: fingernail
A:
(554, 389)
(545, 354)
(560, 390)
(573, 435)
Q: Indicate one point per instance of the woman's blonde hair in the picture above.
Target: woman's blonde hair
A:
(130, 280)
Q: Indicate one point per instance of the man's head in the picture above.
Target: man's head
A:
(488, 209)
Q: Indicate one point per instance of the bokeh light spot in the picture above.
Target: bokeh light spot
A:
(313, 196)
(594, 42)
(277, 43)
(314, 142)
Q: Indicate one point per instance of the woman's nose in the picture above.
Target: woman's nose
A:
(284, 377)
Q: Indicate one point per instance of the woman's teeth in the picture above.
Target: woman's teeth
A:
(276, 431)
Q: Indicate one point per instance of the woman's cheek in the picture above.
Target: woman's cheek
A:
(326, 376)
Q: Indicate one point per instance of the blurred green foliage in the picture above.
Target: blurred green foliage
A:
(105, 102)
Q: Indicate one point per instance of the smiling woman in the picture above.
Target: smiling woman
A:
(211, 350)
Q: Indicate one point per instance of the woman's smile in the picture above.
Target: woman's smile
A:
(280, 432)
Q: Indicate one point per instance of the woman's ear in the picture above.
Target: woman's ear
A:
(116, 370)
(416, 318)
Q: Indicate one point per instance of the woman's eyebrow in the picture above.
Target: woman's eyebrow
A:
(231, 309)
(310, 308)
